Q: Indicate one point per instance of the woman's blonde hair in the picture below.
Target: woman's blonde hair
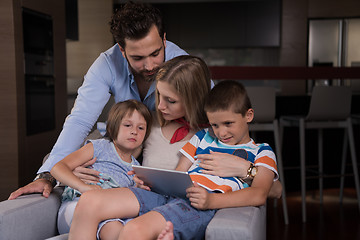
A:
(122, 109)
(190, 77)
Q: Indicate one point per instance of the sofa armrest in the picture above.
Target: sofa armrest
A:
(30, 216)
(248, 223)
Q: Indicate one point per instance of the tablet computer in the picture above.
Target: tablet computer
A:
(163, 181)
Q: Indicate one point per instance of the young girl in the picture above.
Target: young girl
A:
(128, 125)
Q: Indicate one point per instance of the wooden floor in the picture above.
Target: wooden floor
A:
(331, 220)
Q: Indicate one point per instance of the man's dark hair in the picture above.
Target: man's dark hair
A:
(134, 20)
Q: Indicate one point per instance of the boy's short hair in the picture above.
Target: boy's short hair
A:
(122, 109)
(134, 20)
(228, 95)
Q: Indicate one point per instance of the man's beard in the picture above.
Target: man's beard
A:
(142, 74)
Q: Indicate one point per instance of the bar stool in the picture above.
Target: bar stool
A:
(329, 108)
(263, 101)
(355, 120)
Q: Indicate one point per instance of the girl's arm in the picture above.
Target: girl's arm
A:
(62, 171)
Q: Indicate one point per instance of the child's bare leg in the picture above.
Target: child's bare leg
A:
(111, 230)
(167, 233)
(98, 205)
(154, 222)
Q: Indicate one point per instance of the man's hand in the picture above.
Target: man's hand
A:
(87, 175)
(198, 196)
(223, 164)
(39, 186)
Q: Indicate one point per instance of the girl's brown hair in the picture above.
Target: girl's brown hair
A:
(190, 76)
(122, 109)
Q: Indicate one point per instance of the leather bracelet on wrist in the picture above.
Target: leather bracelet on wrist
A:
(47, 176)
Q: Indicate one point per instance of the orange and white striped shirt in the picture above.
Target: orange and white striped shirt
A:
(202, 142)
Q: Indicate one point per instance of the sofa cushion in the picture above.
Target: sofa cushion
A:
(246, 223)
(17, 218)
(59, 237)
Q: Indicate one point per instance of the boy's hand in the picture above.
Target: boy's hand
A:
(198, 196)
(87, 175)
(223, 164)
(138, 182)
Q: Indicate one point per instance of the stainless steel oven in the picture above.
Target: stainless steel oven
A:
(39, 71)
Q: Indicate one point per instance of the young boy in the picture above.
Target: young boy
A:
(229, 111)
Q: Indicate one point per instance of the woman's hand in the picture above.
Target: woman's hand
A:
(198, 196)
(138, 182)
(87, 175)
(223, 164)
